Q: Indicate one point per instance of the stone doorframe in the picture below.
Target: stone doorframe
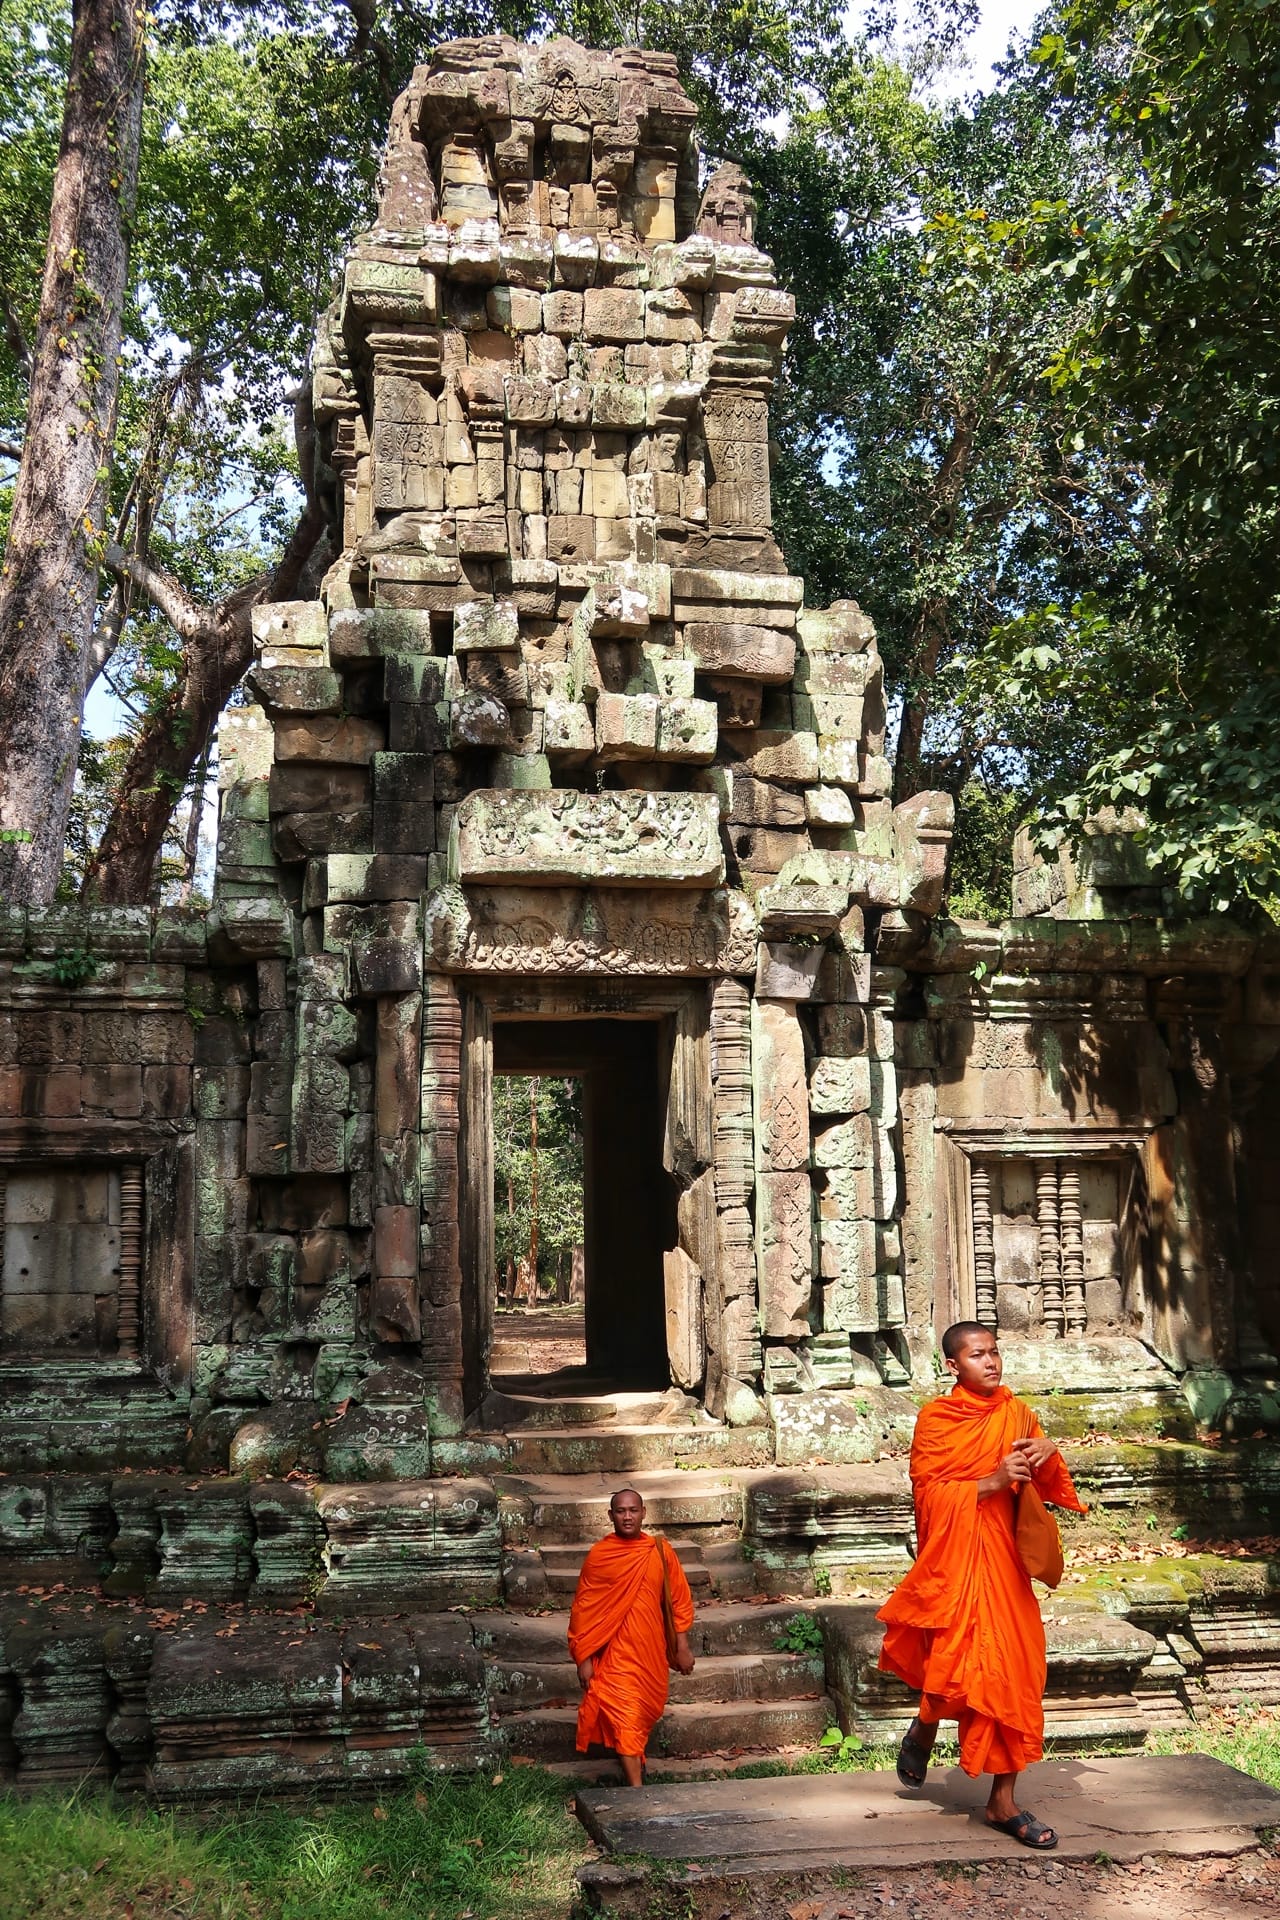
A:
(709, 1276)
(966, 1289)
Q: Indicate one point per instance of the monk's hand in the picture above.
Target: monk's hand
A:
(1013, 1470)
(585, 1670)
(684, 1659)
(1035, 1449)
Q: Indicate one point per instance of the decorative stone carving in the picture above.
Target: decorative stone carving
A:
(562, 931)
(557, 838)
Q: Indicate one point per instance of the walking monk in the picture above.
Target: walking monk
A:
(617, 1637)
(964, 1627)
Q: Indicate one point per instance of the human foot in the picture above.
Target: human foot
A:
(913, 1755)
(1026, 1828)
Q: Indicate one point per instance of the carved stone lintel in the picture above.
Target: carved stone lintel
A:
(563, 837)
(984, 1252)
(580, 931)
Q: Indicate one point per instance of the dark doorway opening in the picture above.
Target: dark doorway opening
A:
(629, 1200)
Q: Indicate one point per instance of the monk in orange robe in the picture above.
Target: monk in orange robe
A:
(964, 1627)
(617, 1638)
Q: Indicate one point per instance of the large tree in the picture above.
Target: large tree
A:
(49, 580)
(1177, 348)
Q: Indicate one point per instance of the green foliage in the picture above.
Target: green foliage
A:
(500, 1850)
(980, 873)
(801, 1634)
(557, 1104)
(844, 1752)
(73, 966)
(1175, 282)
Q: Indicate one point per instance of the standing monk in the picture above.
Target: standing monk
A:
(617, 1637)
(964, 1628)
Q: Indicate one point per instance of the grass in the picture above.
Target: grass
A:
(457, 1848)
(501, 1849)
(1245, 1736)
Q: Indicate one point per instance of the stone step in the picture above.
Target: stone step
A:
(563, 1564)
(547, 1733)
(616, 1449)
(513, 1411)
(533, 1639)
(720, 1679)
(573, 1509)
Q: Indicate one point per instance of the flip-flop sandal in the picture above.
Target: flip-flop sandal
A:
(911, 1775)
(1030, 1831)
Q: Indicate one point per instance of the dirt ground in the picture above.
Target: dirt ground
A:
(1165, 1888)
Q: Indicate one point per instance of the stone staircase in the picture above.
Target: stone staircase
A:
(747, 1695)
(366, 1620)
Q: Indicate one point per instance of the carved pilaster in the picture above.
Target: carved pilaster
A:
(731, 1091)
(1050, 1255)
(129, 1295)
(440, 1269)
(984, 1251)
(1071, 1233)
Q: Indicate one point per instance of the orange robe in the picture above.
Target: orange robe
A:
(617, 1621)
(964, 1627)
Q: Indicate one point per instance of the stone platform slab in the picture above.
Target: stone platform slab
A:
(1128, 1808)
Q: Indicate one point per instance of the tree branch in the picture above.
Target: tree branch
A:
(10, 450)
(15, 338)
(183, 612)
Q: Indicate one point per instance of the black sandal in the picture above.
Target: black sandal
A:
(912, 1776)
(1030, 1831)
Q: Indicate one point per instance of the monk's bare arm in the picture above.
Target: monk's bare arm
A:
(1012, 1469)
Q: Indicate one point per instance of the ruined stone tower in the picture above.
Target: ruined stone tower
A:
(565, 744)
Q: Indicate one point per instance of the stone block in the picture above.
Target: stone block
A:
(613, 314)
(731, 649)
(781, 1101)
(486, 626)
(421, 1543)
(841, 628)
(788, 757)
(290, 689)
(840, 1085)
(787, 972)
(686, 731)
(331, 741)
(568, 728)
(377, 876)
(626, 726)
(360, 634)
(784, 1252)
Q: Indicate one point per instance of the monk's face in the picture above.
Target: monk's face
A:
(626, 1510)
(978, 1365)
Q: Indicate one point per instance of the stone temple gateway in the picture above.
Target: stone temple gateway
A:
(561, 774)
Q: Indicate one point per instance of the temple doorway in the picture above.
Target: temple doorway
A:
(611, 1075)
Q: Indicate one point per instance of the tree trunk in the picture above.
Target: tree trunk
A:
(48, 587)
(932, 624)
(217, 648)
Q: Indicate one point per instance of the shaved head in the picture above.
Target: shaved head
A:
(954, 1337)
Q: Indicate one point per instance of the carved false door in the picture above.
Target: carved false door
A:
(688, 1154)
